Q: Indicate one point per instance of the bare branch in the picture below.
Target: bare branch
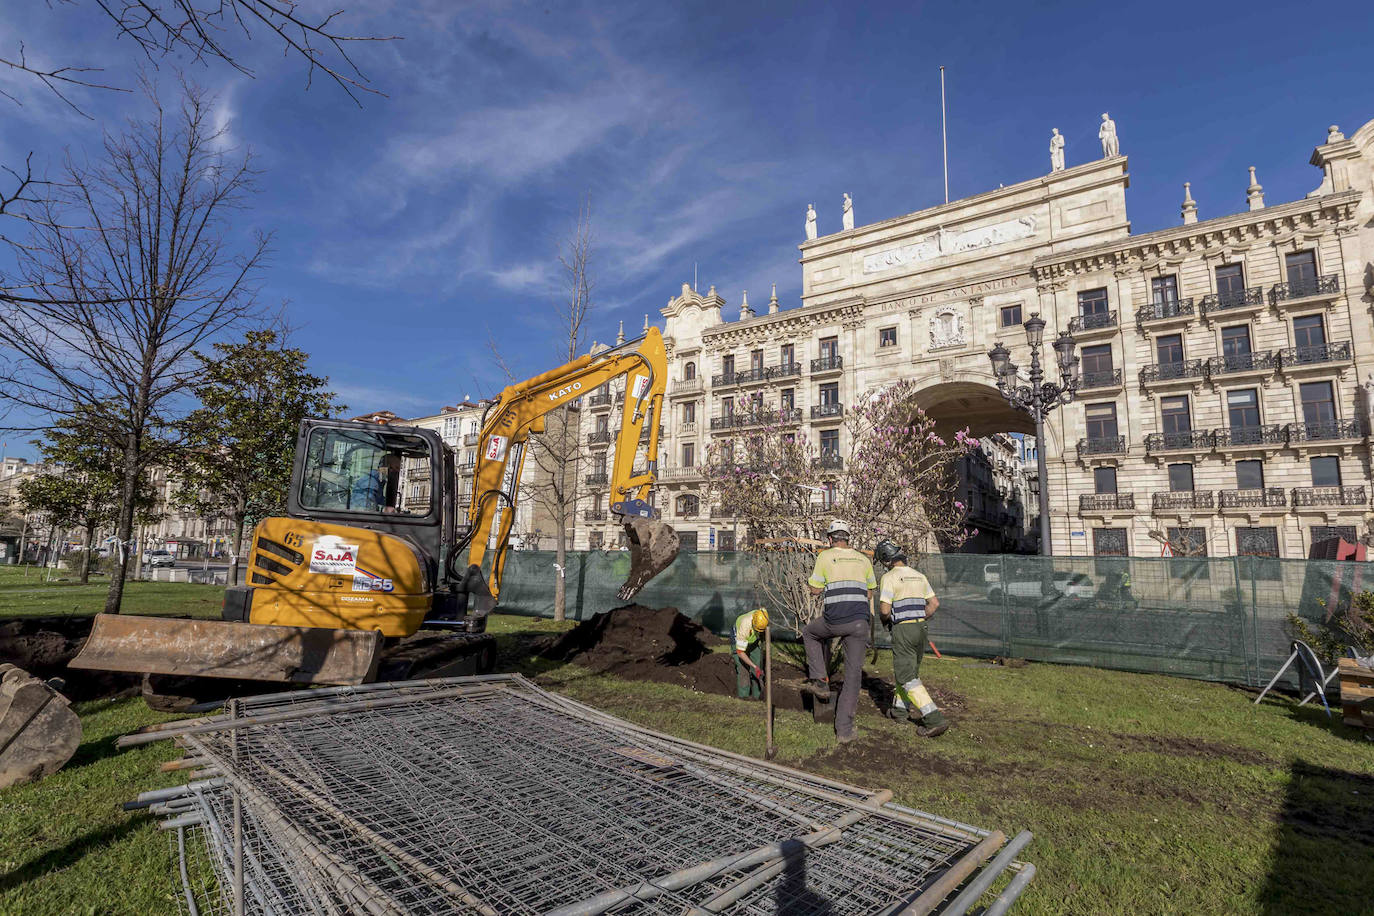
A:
(56, 78)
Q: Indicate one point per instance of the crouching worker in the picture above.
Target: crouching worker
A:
(749, 628)
(906, 601)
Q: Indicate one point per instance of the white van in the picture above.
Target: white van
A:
(992, 573)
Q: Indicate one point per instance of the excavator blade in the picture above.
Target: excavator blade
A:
(223, 648)
(653, 548)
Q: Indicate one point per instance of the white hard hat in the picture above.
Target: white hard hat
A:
(837, 527)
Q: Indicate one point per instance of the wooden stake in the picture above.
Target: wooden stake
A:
(770, 749)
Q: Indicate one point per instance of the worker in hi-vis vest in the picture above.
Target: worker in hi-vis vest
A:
(845, 578)
(749, 628)
(907, 602)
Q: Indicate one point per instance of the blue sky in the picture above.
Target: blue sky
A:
(412, 228)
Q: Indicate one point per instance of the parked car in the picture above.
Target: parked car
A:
(155, 558)
(1076, 586)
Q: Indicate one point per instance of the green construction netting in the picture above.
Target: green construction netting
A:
(1221, 619)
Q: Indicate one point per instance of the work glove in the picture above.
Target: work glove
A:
(758, 673)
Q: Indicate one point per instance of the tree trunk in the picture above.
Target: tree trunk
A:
(237, 550)
(560, 584)
(86, 554)
(124, 528)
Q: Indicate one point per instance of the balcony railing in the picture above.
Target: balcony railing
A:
(1258, 498)
(1301, 289)
(1336, 351)
(1184, 499)
(1221, 302)
(597, 479)
(1324, 430)
(471, 439)
(1108, 379)
(680, 473)
(1250, 435)
(827, 364)
(761, 417)
(1092, 322)
(1105, 502)
(644, 433)
(1105, 445)
(1158, 311)
(722, 512)
(1329, 496)
(1193, 440)
(682, 386)
(1165, 372)
(599, 400)
(687, 427)
(594, 515)
(824, 411)
(599, 437)
(828, 461)
(1242, 362)
(758, 374)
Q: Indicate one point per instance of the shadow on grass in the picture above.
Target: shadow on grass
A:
(69, 854)
(1324, 855)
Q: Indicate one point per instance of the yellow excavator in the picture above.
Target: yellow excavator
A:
(341, 588)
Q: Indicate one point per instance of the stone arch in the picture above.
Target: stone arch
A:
(970, 400)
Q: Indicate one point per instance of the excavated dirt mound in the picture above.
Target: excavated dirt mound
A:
(42, 646)
(664, 646)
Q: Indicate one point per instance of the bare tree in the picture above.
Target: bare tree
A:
(127, 270)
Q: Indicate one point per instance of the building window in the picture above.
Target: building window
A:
(1235, 344)
(829, 493)
(727, 540)
(1318, 407)
(1180, 478)
(756, 402)
(1258, 548)
(599, 464)
(1011, 315)
(451, 425)
(1230, 280)
(727, 366)
(1322, 533)
(689, 371)
(1164, 290)
(595, 540)
(830, 394)
(1174, 416)
(789, 355)
(1104, 480)
(1309, 331)
(689, 412)
(1192, 544)
(1169, 349)
(727, 407)
(789, 398)
(756, 360)
(1301, 266)
(887, 337)
(830, 348)
(1093, 302)
(1101, 420)
(1097, 364)
(1326, 471)
(830, 442)
(603, 424)
(1242, 408)
(689, 454)
(1109, 542)
(688, 505)
(687, 541)
(1250, 475)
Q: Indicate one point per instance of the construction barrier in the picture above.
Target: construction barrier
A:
(1222, 619)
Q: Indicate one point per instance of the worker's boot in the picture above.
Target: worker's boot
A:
(932, 731)
(818, 688)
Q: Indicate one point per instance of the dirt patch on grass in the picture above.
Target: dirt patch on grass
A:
(43, 646)
(878, 752)
(1192, 747)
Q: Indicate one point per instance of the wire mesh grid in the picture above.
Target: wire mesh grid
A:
(506, 799)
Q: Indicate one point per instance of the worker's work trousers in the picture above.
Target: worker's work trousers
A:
(748, 687)
(853, 636)
(908, 645)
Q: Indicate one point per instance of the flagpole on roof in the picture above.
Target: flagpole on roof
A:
(944, 136)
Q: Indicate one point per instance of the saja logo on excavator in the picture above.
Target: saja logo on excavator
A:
(565, 391)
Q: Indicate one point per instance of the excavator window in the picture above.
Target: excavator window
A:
(351, 470)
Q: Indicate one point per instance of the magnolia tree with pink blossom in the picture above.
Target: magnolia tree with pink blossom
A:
(892, 476)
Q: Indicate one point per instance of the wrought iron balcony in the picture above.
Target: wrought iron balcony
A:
(722, 512)
(597, 479)
(828, 461)
(599, 400)
(1092, 322)
(1329, 496)
(1168, 372)
(1159, 311)
(471, 439)
(1222, 302)
(1109, 379)
(1301, 289)
(599, 437)
(827, 364)
(1337, 351)
(1243, 362)
(1192, 440)
(418, 473)
(1258, 498)
(1233, 436)
(644, 433)
(787, 370)
(1105, 502)
(1104, 445)
(757, 374)
(1184, 499)
(1325, 430)
(725, 422)
(826, 411)
(721, 379)
(594, 515)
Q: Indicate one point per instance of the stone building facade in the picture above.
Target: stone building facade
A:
(1220, 406)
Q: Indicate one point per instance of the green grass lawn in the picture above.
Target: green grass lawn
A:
(1146, 794)
(27, 592)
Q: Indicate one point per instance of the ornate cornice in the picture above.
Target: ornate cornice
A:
(784, 326)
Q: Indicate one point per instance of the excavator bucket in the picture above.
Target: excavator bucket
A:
(653, 548)
(228, 649)
(38, 732)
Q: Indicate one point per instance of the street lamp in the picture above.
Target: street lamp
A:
(1038, 398)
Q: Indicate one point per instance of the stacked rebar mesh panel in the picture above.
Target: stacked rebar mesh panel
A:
(490, 795)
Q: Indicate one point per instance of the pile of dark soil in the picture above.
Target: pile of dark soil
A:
(42, 646)
(663, 646)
